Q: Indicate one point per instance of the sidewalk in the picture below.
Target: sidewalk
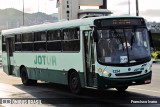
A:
(9, 79)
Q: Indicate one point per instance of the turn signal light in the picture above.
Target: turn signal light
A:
(99, 70)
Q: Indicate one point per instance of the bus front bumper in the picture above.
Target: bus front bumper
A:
(104, 82)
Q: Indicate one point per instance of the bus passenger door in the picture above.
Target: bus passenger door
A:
(9, 49)
(89, 59)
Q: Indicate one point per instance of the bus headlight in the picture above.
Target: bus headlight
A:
(105, 73)
(149, 68)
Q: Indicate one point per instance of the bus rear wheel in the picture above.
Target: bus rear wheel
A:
(24, 78)
(122, 89)
(74, 83)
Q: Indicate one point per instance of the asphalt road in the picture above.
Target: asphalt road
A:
(47, 94)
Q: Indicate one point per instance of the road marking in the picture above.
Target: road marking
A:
(145, 90)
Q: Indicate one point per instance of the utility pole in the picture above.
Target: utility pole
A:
(38, 6)
(129, 7)
(104, 6)
(23, 12)
(137, 8)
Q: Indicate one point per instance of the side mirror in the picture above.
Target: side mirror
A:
(95, 36)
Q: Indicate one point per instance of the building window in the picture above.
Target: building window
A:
(67, 12)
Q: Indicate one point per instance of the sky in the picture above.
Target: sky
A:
(149, 9)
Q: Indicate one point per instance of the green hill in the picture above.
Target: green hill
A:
(12, 18)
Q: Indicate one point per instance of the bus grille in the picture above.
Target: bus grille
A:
(128, 73)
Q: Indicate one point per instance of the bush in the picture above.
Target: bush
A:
(156, 55)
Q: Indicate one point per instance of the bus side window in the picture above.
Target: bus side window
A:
(40, 41)
(71, 40)
(54, 40)
(66, 35)
(3, 43)
(27, 42)
(18, 44)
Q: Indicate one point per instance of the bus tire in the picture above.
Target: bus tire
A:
(24, 78)
(122, 89)
(74, 83)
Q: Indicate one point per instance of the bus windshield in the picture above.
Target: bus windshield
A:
(123, 46)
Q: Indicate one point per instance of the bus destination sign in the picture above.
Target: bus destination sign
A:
(120, 22)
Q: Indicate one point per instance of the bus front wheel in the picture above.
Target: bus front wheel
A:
(74, 83)
(24, 78)
(122, 89)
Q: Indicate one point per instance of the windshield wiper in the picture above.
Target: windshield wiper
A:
(132, 37)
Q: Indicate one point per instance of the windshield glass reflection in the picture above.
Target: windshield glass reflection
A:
(118, 46)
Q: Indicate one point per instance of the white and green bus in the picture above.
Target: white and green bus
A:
(98, 52)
